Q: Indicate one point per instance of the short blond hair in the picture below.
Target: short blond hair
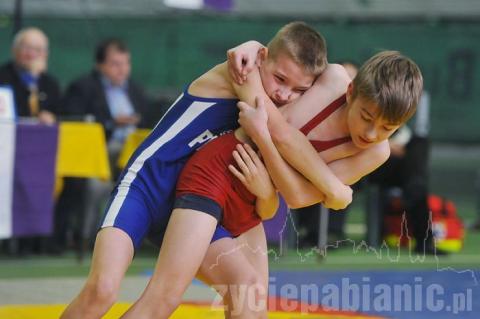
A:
(22, 34)
(392, 81)
(301, 43)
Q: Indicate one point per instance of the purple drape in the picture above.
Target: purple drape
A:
(34, 178)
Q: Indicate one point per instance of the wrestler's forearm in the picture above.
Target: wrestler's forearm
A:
(296, 190)
(295, 148)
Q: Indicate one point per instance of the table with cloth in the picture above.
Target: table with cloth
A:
(71, 149)
(32, 156)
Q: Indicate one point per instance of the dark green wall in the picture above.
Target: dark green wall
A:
(170, 51)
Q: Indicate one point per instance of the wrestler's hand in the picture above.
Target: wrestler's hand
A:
(242, 59)
(254, 119)
(253, 174)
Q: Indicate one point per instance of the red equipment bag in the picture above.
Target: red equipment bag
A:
(448, 229)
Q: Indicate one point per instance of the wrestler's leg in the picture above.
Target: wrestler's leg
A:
(186, 241)
(238, 270)
(112, 254)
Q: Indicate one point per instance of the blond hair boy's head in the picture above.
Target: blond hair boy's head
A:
(304, 45)
(392, 81)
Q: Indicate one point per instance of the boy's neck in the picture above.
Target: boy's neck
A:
(343, 119)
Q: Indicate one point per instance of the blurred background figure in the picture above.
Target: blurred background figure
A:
(106, 95)
(109, 95)
(36, 93)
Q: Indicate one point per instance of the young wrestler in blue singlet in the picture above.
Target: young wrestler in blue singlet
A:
(142, 201)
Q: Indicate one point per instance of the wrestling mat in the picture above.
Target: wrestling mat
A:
(185, 311)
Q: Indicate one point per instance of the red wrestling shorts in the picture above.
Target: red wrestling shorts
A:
(206, 175)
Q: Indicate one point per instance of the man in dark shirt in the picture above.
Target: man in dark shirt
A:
(108, 93)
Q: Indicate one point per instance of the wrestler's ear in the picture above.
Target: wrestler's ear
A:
(349, 93)
(262, 56)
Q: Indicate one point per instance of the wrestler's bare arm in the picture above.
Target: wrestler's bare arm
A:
(350, 169)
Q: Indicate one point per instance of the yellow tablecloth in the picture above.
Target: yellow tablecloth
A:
(131, 144)
(82, 151)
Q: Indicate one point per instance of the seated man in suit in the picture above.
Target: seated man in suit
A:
(36, 93)
(108, 96)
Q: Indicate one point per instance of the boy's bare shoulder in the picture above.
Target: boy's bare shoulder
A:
(339, 72)
(215, 83)
(335, 77)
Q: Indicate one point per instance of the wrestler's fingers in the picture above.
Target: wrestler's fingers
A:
(237, 174)
(246, 158)
(234, 76)
(248, 66)
(241, 164)
(235, 66)
(253, 155)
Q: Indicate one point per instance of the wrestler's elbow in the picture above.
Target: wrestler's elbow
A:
(339, 199)
(267, 209)
(268, 215)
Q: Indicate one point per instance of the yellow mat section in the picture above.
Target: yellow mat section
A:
(183, 312)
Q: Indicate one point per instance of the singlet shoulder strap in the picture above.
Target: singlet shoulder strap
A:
(321, 146)
(323, 114)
